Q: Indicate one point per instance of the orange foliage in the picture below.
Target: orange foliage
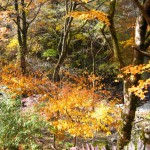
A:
(71, 107)
(34, 83)
(127, 43)
(79, 112)
(141, 89)
(133, 70)
(89, 15)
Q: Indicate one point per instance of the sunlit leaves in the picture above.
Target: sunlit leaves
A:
(91, 14)
(127, 43)
(85, 1)
(133, 70)
(18, 84)
(141, 89)
(73, 108)
(130, 72)
(80, 112)
(13, 44)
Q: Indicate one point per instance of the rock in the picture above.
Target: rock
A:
(142, 122)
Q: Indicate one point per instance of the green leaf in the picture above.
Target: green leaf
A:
(50, 53)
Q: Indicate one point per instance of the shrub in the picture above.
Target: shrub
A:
(18, 128)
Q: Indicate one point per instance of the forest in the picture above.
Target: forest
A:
(74, 75)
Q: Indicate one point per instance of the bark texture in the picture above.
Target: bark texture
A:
(22, 33)
(23, 24)
(115, 43)
(65, 39)
(130, 100)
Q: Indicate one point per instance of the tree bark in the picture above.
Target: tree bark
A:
(128, 114)
(22, 29)
(116, 49)
(22, 34)
(130, 100)
(65, 40)
(144, 9)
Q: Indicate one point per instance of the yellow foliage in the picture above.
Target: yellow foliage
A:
(85, 1)
(89, 15)
(80, 36)
(131, 71)
(13, 44)
(78, 111)
(58, 27)
(128, 42)
(74, 108)
(140, 90)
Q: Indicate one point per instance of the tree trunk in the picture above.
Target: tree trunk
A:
(65, 41)
(22, 34)
(130, 100)
(115, 43)
(24, 38)
(128, 114)
(22, 61)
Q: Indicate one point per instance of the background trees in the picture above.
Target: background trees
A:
(82, 45)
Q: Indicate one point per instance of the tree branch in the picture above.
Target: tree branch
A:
(29, 22)
(4, 7)
(18, 25)
(29, 3)
(141, 8)
(147, 43)
(141, 52)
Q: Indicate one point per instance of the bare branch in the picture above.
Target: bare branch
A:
(147, 43)
(18, 25)
(80, 28)
(142, 9)
(141, 52)
(103, 33)
(83, 5)
(29, 22)
(29, 3)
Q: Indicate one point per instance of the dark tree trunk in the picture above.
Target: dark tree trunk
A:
(144, 9)
(130, 100)
(22, 34)
(22, 28)
(115, 43)
(128, 114)
(93, 58)
(24, 39)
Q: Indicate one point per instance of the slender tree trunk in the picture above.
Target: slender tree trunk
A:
(93, 62)
(116, 49)
(65, 40)
(22, 34)
(75, 141)
(93, 58)
(22, 61)
(130, 100)
(24, 38)
(104, 36)
(64, 50)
